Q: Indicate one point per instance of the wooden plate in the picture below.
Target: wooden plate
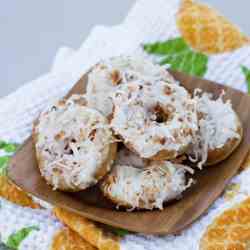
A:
(174, 217)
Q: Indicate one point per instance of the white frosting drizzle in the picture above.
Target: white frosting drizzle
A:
(148, 186)
(73, 141)
(218, 124)
(108, 74)
(135, 117)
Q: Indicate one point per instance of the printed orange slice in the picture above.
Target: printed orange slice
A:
(67, 239)
(205, 30)
(88, 230)
(12, 193)
(229, 231)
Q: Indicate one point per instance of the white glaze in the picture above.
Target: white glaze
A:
(148, 186)
(134, 118)
(100, 83)
(73, 159)
(217, 125)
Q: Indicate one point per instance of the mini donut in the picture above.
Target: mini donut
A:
(220, 130)
(108, 74)
(156, 120)
(146, 186)
(74, 145)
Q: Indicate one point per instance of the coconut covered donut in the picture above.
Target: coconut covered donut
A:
(220, 130)
(74, 145)
(155, 120)
(145, 185)
(108, 74)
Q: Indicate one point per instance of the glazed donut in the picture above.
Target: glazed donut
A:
(74, 145)
(108, 74)
(145, 186)
(220, 130)
(155, 120)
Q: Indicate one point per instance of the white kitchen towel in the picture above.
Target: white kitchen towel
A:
(148, 21)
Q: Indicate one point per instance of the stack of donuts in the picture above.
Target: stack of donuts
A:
(136, 133)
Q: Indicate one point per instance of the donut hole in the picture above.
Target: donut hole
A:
(67, 148)
(162, 115)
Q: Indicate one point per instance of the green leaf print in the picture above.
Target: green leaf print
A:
(118, 231)
(170, 47)
(121, 232)
(246, 72)
(15, 239)
(4, 160)
(8, 147)
(179, 56)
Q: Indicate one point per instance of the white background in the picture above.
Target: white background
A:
(32, 31)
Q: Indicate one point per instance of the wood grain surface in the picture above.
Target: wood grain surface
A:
(175, 216)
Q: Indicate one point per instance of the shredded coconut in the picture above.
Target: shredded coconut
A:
(146, 187)
(73, 142)
(153, 117)
(218, 123)
(108, 74)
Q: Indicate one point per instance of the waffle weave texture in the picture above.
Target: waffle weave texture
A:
(148, 21)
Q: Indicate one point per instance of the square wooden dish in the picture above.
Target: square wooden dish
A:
(211, 181)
